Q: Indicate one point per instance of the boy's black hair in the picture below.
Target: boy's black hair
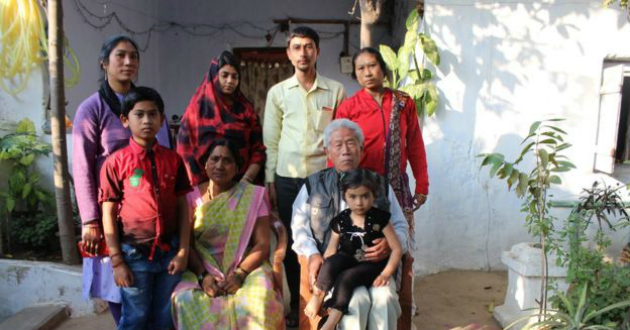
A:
(225, 143)
(140, 94)
(304, 32)
(360, 177)
(379, 59)
(107, 48)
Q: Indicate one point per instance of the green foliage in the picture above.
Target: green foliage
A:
(36, 231)
(24, 199)
(607, 282)
(623, 5)
(545, 142)
(421, 86)
(575, 315)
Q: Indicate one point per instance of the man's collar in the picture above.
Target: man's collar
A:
(318, 83)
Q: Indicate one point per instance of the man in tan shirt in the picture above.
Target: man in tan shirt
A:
(297, 111)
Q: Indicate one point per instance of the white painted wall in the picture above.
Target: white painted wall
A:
(505, 65)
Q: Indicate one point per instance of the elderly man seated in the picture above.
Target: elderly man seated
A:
(318, 201)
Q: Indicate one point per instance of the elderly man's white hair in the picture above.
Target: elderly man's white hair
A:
(342, 123)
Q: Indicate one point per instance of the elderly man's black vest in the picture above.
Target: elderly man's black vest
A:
(325, 197)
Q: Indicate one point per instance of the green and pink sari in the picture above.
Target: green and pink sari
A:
(222, 231)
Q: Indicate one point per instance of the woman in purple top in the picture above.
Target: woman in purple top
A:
(97, 133)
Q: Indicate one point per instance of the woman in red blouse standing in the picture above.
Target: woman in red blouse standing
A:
(220, 110)
(389, 122)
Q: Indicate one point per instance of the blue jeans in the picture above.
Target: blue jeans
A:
(147, 304)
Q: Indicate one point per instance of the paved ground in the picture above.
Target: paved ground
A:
(457, 300)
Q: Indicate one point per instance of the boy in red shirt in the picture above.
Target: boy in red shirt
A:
(145, 215)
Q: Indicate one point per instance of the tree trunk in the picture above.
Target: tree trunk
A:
(67, 239)
(370, 14)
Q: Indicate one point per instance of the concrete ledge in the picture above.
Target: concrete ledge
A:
(45, 317)
(28, 283)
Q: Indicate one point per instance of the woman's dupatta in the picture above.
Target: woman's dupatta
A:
(396, 177)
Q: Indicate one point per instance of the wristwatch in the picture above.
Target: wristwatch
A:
(201, 276)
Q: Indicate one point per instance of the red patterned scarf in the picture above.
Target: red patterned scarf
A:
(208, 117)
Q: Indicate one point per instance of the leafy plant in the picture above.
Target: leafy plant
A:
(574, 317)
(421, 87)
(607, 282)
(545, 142)
(623, 4)
(23, 196)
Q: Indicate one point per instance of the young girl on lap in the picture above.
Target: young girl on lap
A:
(353, 231)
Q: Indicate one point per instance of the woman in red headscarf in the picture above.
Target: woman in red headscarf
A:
(220, 110)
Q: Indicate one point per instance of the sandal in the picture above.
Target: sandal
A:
(292, 320)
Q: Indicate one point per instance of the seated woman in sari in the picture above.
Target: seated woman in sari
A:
(229, 283)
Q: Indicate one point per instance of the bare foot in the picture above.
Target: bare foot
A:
(334, 316)
(314, 304)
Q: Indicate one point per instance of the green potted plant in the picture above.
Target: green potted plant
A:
(545, 143)
(573, 316)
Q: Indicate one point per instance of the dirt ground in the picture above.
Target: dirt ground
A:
(450, 300)
(458, 299)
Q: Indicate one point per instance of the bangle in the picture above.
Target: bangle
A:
(241, 274)
(118, 263)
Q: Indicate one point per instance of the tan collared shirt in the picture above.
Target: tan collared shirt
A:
(293, 126)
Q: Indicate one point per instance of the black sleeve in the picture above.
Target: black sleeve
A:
(334, 225)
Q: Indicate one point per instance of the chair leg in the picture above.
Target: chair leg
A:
(406, 292)
(305, 296)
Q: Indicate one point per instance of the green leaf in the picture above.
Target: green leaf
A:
(430, 49)
(534, 127)
(389, 56)
(513, 178)
(548, 141)
(563, 146)
(432, 102)
(495, 167)
(544, 157)
(10, 204)
(27, 160)
(523, 183)
(426, 74)
(403, 62)
(411, 38)
(506, 170)
(491, 158)
(26, 190)
(412, 20)
(25, 126)
(524, 152)
(555, 179)
(556, 129)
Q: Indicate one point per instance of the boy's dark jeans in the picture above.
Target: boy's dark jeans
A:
(147, 304)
